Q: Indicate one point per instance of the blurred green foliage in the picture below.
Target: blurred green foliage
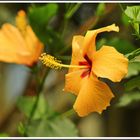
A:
(133, 69)
(52, 127)
(122, 45)
(45, 122)
(132, 84)
(25, 104)
(39, 18)
(125, 19)
(128, 98)
(4, 135)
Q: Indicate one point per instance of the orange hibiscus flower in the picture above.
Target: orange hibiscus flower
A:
(86, 66)
(19, 44)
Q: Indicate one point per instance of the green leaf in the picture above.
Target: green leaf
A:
(39, 18)
(55, 127)
(43, 13)
(133, 69)
(129, 98)
(133, 12)
(25, 104)
(132, 84)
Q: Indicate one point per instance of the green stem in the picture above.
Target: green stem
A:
(65, 27)
(121, 8)
(68, 113)
(43, 80)
(68, 15)
(40, 87)
(31, 114)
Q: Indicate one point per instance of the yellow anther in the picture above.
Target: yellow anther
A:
(50, 61)
(21, 21)
(53, 63)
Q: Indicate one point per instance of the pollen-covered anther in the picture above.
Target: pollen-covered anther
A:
(50, 61)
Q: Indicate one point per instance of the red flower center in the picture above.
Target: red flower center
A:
(88, 63)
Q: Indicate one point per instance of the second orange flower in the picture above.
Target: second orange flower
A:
(19, 44)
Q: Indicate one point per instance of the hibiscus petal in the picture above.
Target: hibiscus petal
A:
(94, 96)
(109, 63)
(89, 43)
(76, 51)
(73, 82)
(11, 35)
